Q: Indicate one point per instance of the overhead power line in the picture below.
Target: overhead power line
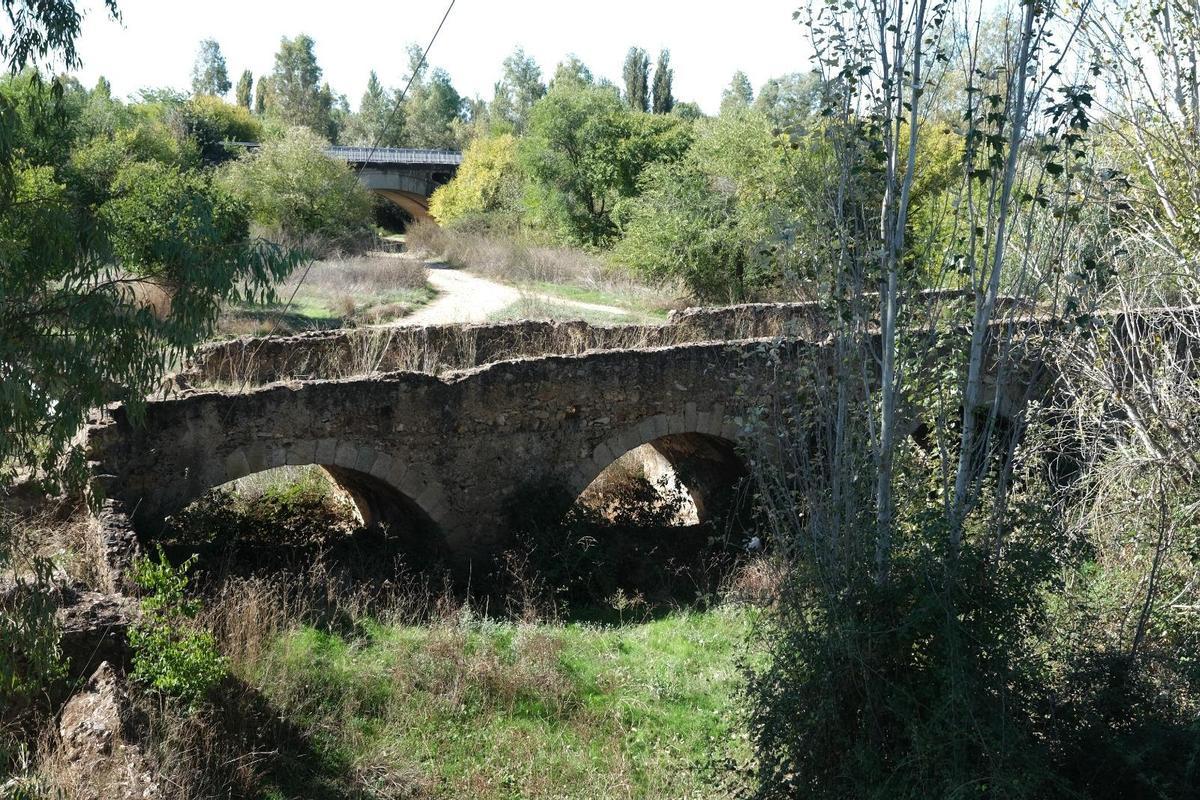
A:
(374, 146)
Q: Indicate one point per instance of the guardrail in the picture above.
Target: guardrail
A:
(382, 155)
(394, 155)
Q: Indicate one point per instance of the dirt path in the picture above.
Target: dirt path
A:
(463, 297)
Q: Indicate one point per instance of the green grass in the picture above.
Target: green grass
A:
(630, 301)
(484, 709)
(320, 311)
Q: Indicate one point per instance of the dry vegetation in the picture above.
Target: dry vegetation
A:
(573, 273)
(339, 291)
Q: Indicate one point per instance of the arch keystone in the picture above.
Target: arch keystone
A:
(326, 451)
(346, 455)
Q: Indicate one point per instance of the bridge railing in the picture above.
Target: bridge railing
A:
(380, 155)
(394, 155)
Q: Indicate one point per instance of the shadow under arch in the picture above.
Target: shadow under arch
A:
(415, 205)
(659, 524)
(389, 496)
(702, 474)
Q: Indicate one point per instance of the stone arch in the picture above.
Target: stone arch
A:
(382, 486)
(699, 447)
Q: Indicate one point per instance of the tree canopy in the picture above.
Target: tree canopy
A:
(294, 93)
(637, 79)
(209, 73)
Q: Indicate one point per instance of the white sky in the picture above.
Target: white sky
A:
(156, 42)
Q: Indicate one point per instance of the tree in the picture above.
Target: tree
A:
(433, 113)
(637, 79)
(295, 96)
(520, 87)
(790, 100)
(209, 74)
(956, 572)
(77, 331)
(292, 187)
(369, 126)
(209, 123)
(739, 93)
(488, 181)
(244, 86)
(260, 95)
(664, 101)
(584, 152)
(688, 110)
(572, 71)
(716, 218)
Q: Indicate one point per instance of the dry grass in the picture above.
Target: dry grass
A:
(338, 291)
(508, 259)
(369, 275)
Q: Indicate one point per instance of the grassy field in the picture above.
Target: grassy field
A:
(477, 708)
(335, 293)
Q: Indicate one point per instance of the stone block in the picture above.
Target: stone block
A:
(326, 451)
(236, 466)
(346, 455)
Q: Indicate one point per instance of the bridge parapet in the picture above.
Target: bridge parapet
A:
(436, 349)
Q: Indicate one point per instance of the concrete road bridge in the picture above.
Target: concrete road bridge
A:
(405, 176)
(438, 428)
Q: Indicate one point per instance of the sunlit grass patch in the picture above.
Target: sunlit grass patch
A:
(480, 708)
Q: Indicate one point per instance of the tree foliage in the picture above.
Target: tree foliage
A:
(378, 122)
(243, 95)
(738, 94)
(585, 151)
(210, 76)
(489, 181)
(433, 113)
(717, 218)
(294, 93)
(791, 100)
(519, 88)
(637, 79)
(664, 100)
(98, 292)
(292, 187)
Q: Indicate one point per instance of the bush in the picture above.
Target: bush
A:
(717, 219)
(487, 182)
(170, 652)
(296, 191)
(210, 122)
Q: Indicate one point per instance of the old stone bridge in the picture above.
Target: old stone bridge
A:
(438, 428)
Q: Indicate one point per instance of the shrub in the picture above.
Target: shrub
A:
(30, 660)
(296, 191)
(170, 652)
(488, 181)
(211, 122)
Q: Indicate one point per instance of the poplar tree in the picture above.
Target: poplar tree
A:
(244, 85)
(637, 79)
(664, 101)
